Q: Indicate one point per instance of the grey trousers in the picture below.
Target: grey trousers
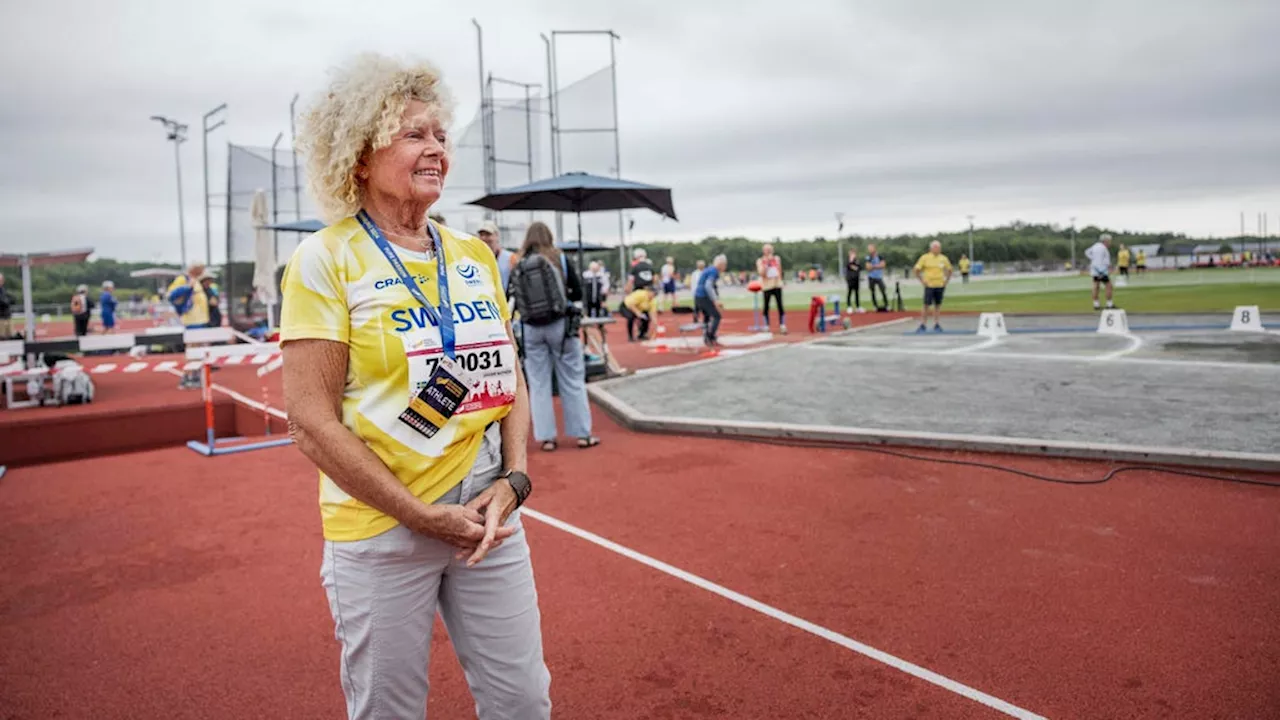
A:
(384, 593)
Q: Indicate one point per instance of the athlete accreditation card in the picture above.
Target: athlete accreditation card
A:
(438, 400)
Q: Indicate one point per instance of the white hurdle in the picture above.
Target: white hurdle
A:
(263, 355)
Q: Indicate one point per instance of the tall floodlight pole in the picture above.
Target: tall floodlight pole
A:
(1073, 244)
(553, 82)
(487, 141)
(617, 150)
(204, 151)
(293, 144)
(551, 107)
(177, 132)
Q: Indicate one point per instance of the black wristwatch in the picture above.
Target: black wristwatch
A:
(520, 483)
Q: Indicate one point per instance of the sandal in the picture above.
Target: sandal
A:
(588, 442)
(549, 445)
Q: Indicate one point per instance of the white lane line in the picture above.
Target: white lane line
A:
(989, 342)
(165, 366)
(1060, 357)
(103, 368)
(136, 367)
(1135, 342)
(830, 635)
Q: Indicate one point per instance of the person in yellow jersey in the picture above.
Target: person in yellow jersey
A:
(933, 270)
(963, 264)
(405, 390)
(1142, 261)
(187, 296)
(637, 307)
(1122, 260)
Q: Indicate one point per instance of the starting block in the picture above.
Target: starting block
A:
(992, 325)
(1247, 318)
(1113, 321)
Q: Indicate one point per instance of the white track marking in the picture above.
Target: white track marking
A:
(136, 367)
(165, 366)
(1060, 357)
(103, 368)
(830, 635)
(989, 342)
(1135, 342)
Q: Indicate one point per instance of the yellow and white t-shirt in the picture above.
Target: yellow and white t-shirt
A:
(338, 286)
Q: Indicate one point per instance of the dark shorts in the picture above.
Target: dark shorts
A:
(1124, 270)
(669, 287)
(1101, 277)
(933, 296)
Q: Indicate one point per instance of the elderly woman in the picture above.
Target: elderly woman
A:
(404, 389)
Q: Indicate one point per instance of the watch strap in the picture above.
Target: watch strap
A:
(520, 483)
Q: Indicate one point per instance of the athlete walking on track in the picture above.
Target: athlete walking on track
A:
(405, 390)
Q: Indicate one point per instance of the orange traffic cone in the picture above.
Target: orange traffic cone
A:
(661, 347)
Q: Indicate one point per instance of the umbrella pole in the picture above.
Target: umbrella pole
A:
(579, 242)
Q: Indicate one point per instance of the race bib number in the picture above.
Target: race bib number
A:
(771, 272)
(487, 367)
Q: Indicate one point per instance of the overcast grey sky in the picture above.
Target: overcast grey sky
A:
(765, 118)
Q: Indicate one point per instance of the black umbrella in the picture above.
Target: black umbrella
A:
(579, 192)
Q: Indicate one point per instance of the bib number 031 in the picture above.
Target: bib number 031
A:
(471, 361)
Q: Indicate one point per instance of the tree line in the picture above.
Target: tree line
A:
(1035, 245)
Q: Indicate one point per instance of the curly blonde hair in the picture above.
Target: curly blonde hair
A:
(359, 113)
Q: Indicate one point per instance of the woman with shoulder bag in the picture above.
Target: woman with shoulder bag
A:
(552, 345)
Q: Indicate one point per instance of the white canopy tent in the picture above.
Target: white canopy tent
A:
(26, 261)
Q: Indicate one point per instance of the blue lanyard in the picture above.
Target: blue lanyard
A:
(442, 318)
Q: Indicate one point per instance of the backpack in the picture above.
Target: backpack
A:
(538, 289)
(77, 304)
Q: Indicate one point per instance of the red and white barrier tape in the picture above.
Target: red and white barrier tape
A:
(268, 362)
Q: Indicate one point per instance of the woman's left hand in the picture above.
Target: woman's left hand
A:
(496, 504)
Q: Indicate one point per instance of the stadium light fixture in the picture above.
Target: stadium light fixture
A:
(177, 132)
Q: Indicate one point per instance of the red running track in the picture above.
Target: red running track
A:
(162, 584)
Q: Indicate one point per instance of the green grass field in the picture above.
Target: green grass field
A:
(1167, 291)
